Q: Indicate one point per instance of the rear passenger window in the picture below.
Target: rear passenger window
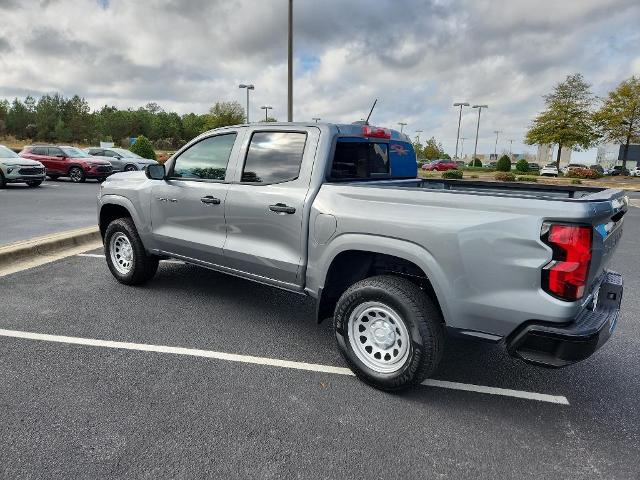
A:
(354, 160)
(39, 151)
(274, 157)
(206, 160)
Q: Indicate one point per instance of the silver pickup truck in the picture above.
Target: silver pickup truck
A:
(336, 212)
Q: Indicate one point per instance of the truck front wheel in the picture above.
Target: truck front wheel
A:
(389, 331)
(125, 253)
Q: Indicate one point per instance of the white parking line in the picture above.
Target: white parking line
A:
(97, 255)
(273, 362)
(634, 203)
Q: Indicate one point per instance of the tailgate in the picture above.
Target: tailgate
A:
(607, 221)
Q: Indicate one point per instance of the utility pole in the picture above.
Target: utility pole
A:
(290, 65)
(459, 104)
(418, 132)
(316, 119)
(402, 125)
(248, 87)
(266, 109)
(495, 150)
(462, 147)
(475, 149)
(510, 148)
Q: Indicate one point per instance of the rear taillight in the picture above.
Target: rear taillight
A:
(566, 275)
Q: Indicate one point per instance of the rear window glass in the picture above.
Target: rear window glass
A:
(354, 160)
(274, 157)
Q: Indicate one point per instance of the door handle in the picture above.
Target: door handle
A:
(209, 200)
(282, 208)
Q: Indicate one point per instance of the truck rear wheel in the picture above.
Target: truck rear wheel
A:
(125, 253)
(389, 331)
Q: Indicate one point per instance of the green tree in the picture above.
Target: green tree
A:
(48, 112)
(432, 150)
(618, 119)
(522, 165)
(567, 119)
(77, 118)
(193, 125)
(61, 133)
(223, 114)
(476, 162)
(504, 164)
(19, 117)
(143, 148)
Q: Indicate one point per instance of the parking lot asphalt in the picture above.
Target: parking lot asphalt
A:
(69, 410)
(55, 206)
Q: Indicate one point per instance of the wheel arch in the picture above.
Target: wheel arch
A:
(113, 207)
(353, 261)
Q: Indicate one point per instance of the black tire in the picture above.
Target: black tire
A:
(143, 267)
(34, 183)
(3, 182)
(101, 179)
(421, 318)
(53, 177)
(130, 168)
(76, 174)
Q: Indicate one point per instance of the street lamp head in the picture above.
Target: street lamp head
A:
(242, 85)
(266, 107)
(461, 104)
(480, 106)
(250, 87)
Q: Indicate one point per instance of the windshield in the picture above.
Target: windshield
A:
(126, 153)
(7, 153)
(74, 152)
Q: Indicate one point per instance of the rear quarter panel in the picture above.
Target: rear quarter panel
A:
(483, 254)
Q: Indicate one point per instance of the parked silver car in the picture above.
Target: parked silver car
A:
(15, 169)
(122, 159)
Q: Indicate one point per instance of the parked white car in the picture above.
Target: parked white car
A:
(635, 172)
(549, 170)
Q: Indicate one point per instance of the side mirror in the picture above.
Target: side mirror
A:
(155, 172)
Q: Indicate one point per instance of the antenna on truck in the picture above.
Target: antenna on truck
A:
(366, 122)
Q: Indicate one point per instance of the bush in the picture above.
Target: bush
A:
(527, 179)
(504, 164)
(475, 163)
(143, 148)
(457, 174)
(505, 177)
(522, 166)
(576, 181)
(586, 173)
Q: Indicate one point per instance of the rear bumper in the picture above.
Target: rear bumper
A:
(553, 345)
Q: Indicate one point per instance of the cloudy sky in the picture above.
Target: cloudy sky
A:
(416, 56)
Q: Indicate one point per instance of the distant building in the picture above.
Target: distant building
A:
(607, 155)
(610, 154)
(546, 155)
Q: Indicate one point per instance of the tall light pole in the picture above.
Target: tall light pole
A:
(475, 149)
(402, 125)
(248, 87)
(495, 149)
(290, 66)
(459, 104)
(462, 147)
(418, 132)
(266, 109)
(316, 119)
(510, 148)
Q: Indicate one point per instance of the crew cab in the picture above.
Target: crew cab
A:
(336, 212)
(67, 161)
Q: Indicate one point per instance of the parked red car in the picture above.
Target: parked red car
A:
(68, 162)
(441, 165)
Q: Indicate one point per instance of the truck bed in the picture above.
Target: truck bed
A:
(502, 189)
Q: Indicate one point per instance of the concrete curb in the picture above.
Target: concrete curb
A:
(47, 246)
